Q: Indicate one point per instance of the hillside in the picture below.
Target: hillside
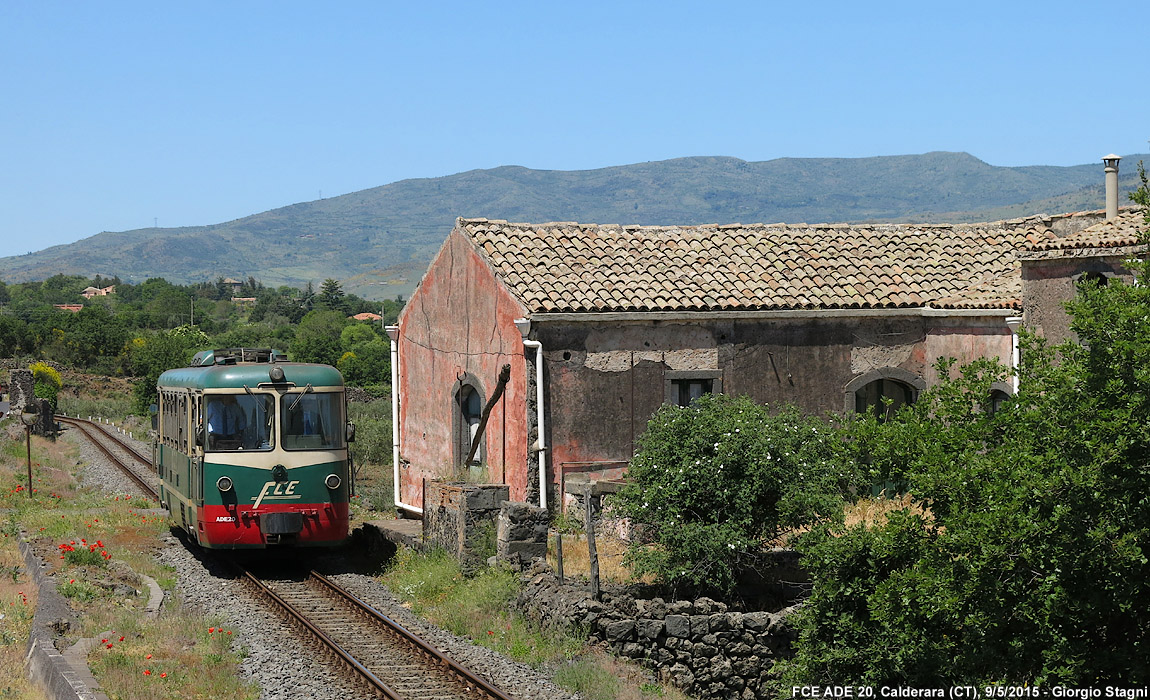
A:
(379, 241)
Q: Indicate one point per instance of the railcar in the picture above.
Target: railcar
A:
(252, 450)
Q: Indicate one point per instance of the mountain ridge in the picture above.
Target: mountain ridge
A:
(379, 240)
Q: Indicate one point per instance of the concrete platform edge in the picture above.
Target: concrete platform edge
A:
(47, 667)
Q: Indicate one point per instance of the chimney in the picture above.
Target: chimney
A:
(1111, 162)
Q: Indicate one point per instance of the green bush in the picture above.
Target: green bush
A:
(1026, 562)
(372, 431)
(46, 382)
(719, 481)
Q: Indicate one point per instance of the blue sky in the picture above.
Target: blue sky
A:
(116, 115)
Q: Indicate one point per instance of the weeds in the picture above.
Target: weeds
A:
(79, 591)
(479, 608)
(94, 544)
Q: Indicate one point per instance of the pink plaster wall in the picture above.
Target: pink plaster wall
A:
(966, 344)
(460, 319)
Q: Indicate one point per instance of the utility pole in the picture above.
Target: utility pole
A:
(192, 301)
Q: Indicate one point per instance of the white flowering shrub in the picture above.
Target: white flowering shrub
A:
(719, 481)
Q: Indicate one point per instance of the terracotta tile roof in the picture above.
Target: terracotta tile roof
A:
(1002, 292)
(1121, 232)
(570, 267)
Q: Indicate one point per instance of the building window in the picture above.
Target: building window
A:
(468, 410)
(883, 397)
(684, 391)
(683, 387)
(998, 398)
(1098, 278)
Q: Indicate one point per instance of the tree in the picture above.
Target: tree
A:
(367, 363)
(317, 339)
(13, 336)
(331, 295)
(88, 338)
(715, 484)
(1025, 560)
(150, 356)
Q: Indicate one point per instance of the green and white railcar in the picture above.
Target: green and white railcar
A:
(252, 450)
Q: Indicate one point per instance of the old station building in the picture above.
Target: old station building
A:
(599, 325)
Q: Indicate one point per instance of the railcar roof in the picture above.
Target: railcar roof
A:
(250, 374)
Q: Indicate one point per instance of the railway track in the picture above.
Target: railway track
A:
(118, 451)
(390, 660)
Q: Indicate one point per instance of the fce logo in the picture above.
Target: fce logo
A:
(282, 491)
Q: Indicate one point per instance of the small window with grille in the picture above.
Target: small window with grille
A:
(683, 387)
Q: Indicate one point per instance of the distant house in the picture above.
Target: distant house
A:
(602, 324)
(234, 284)
(90, 292)
(367, 316)
(244, 301)
(74, 308)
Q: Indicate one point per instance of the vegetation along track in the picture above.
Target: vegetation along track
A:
(114, 448)
(390, 660)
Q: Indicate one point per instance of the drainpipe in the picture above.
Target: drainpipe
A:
(1014, 323)
(540, 446)
(1111, 163)
(393, 335)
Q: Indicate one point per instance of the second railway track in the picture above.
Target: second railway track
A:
(118, 452)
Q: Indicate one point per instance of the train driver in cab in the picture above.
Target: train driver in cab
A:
(226, 423)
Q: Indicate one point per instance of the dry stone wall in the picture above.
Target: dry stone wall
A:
(699, 645)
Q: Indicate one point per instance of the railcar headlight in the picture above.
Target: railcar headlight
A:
(332, 481)
(224, 483)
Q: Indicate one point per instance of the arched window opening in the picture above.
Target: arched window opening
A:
(883, 397)
(1096, 278)
(998, 399)
(468, 411)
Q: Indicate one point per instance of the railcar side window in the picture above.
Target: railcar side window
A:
(240, 421)
(313, 421)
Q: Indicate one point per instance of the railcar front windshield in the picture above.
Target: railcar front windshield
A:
(239, 422)
(313, 421)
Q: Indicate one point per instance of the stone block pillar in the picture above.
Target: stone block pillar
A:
(21, 391)
(461, 519)
(522, 534)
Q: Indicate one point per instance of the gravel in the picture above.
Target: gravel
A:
(276, 657)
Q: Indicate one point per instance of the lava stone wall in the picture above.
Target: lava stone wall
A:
(701, 646)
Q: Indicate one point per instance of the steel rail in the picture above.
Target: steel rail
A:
(86, 429)
(415, 641)
(145, 460)
(374, 681)
(384, 625)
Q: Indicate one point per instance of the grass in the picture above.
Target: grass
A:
(17, 603)
(181, 655)
(872, 512)
(372, 454)
(96, 408)
(479, 608)
(599, 676)
(93, 542)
